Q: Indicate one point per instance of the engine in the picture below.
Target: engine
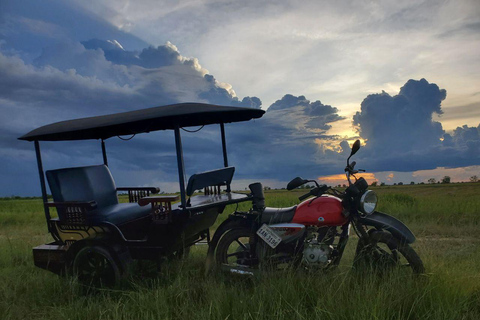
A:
(317, 253)
(318, 246)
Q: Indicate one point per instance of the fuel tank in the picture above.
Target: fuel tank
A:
(321, 211)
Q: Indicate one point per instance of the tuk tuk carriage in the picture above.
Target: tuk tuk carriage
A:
(95, 236)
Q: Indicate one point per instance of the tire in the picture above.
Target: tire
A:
(95, 266)
(233, 249)
(385, 252)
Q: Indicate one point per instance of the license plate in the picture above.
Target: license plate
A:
(269, 236)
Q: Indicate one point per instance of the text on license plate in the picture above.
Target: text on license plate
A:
(269, 236)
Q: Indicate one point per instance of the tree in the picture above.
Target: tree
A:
(412, 182)
(400, 183)
(382, 184)
(432, 180)
(446, 179)
(473, 179)
(374, 184)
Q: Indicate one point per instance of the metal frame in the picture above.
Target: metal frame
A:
(224, 149)
(104, 153)
(42, 184)
(180, 164)
(181, 168)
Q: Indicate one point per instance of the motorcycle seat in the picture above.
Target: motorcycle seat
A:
(278, 215)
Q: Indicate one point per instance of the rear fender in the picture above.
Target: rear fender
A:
(397, 228)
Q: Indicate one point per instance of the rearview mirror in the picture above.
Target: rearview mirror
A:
(355, 147)
(295, 183)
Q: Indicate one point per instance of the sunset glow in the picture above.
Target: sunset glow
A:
(337, 179)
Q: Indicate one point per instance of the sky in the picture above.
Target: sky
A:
(404, 77)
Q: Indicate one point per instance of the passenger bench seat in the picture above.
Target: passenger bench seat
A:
(93, 183)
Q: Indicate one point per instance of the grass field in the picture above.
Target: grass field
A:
(445, 219)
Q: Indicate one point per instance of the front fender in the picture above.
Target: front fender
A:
(396, 227)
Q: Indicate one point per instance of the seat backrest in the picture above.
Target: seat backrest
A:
(83, 184)
(219, 177)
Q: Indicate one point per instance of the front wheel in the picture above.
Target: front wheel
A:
(382, 252)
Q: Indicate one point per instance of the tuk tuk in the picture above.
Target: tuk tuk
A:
(94, 235)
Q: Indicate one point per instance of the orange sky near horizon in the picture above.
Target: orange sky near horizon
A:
(337, 179)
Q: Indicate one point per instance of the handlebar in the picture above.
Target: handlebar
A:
(305, 196)
(317, 191)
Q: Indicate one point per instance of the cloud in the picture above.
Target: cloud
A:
(75, 64)
(402, 122)
(28, 26)
(283, 143)
(401, 136)
(72, 80)
(319, 115)
(466, 140)
(336, 51)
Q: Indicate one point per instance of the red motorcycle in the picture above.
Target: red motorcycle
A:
(314, 233)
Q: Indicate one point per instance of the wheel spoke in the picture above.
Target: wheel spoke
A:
(233, 249)
(241, 244)
(94, 267)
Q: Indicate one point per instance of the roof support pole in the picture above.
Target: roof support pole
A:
(104, 153)
(224, 145)
(42, 183)
(181, 169)
(224, 148)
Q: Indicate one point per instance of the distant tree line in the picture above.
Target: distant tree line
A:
(444, 180)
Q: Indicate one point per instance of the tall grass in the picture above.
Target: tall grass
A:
(444, 218)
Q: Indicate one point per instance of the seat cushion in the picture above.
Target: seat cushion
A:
(278, 215)
(119, 213)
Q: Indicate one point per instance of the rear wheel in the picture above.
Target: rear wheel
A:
(383, 252)
(233, 249)
(95, 266)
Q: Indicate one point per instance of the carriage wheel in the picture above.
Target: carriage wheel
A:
(94, 266)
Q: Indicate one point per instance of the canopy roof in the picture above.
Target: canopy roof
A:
(139, 121)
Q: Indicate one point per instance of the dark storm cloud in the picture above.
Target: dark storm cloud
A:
(466, 140)
(402, 122)
(49, 88)
(283, 143)
(70, 80)
(320, 115)
(28, 26)
(401, 135)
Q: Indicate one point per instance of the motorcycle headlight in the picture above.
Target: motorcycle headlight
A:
(368, 202)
